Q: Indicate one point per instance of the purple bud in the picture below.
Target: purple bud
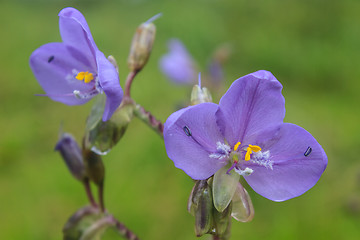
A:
(71, 153)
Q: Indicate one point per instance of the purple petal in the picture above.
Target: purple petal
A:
(252, 103)
(293, 173)
(191, 153)
(75, 32)
(53, 65)
(178, 65)
(109, 82)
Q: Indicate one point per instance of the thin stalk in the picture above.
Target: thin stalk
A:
(128, 82)
(101, 196)
(149, 119)
(89, 193)
(124, 231)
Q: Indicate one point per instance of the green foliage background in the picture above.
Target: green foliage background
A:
(312, 47)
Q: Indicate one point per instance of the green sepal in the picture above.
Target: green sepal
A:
(101, 136)
(80, 221)
(243, 209)
(224, 186)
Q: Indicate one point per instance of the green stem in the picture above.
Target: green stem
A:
(101, 196)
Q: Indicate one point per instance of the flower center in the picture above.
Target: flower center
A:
(85, 76)
(253, 155)
(249, 150)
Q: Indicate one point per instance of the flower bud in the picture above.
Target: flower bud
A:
(142, 44)
(201, 206)
(200, 95)
(101, 136)
(222, 220)
(94, 166)
(80, 221)
(71, 153)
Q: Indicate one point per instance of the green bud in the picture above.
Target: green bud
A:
(102, 136)
(222, 220)
(243, 209)
(71, 153)
(80, 221)
(142, 44)
(97, 229)
(199, 94)
(202, 207)
(94, 166)
(224, 186)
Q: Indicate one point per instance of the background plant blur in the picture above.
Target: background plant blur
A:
(312, 47)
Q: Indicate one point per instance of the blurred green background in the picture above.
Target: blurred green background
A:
(312, 47)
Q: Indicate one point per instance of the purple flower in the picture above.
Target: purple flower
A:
(178, 65)
(74, 71)
(246, 133)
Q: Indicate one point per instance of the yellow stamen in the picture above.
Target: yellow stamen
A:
(255, 148)
(80, 76)
(86, 76)
(237, 146)
(247, 155)
(249, 151)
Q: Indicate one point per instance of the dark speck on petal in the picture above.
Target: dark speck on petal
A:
(187, 131)
(308, 151)
(51, 58)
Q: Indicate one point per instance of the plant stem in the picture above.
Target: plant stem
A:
(149, 119)
(101, 196)
(129, 81)
(123, 230)
(89, 193)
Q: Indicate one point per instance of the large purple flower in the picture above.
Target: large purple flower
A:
(246, 133)
(74, 71)
(177, 64)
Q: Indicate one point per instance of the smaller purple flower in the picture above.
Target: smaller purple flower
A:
(246, 133)
(177, 64)
(74, 71)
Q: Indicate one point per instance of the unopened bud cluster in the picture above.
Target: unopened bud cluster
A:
(208, 219)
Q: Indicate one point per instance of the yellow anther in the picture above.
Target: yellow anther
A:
(237, 146)
(249, 151)
(247, 155)
(86, 76)
(80, 76)
(255, 148)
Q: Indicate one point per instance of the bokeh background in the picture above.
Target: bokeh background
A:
(312, 47)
